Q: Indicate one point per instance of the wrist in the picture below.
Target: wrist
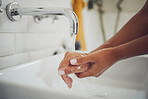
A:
(103, 46)
(117, 53)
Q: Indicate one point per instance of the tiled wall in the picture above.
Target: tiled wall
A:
(25, 40)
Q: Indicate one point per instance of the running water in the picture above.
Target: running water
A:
(73, 42)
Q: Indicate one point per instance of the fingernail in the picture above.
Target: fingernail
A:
(73, 61)
(61, 72)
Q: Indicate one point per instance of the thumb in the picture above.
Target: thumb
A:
(81, 60)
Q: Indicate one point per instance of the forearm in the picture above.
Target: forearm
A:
(133, 29)
(132, 48)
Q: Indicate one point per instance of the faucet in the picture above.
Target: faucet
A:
(15, 12)
(0, 6)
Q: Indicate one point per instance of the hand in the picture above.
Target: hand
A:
(93, 64)
(99, 62)
(66, 68)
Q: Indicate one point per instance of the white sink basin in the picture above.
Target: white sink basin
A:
(127, 79)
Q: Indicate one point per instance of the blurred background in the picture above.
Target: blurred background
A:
(34, 38)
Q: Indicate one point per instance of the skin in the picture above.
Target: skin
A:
(130, 41)
(68, 68)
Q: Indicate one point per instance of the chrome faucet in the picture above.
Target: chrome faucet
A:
(15, 12)
(0, 6)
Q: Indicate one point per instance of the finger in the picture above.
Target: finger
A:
(63, 64)
(68, 55)
(73, 69)
(76, 69)
(89, 72)
(67, 80)
(82, 75)
(81, 60)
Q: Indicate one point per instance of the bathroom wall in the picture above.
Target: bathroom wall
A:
(93, 34)
(24, 41)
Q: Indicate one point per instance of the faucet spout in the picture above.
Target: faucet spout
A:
(15, 12)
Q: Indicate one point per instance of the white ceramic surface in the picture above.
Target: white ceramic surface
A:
(39, 80)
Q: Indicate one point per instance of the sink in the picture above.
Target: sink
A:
(127, 79)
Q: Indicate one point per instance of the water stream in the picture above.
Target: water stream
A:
(73, 42)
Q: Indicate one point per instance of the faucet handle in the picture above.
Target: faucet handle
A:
(0, 6)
